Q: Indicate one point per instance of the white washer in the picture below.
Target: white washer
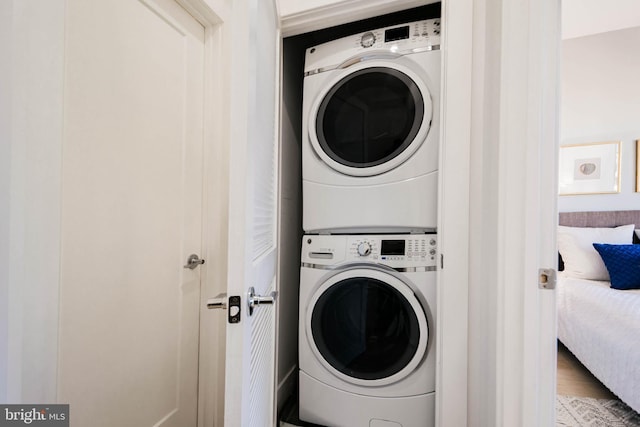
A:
(370, 126)
(366, 330)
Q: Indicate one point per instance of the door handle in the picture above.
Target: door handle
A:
(254, 300)
(193, 261)
(219, 301)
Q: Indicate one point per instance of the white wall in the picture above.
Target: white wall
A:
(585, 17)
(601, 102)
(6, 9)
(32, 42)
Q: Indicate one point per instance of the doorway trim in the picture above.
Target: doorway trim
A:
(512, 339)
(215, 16)
(452, 313)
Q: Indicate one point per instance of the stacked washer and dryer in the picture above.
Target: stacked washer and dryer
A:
(368, 276)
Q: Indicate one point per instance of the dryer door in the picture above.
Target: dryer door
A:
(371, 118)
(367, 327)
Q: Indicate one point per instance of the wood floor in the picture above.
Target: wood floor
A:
(575, 380)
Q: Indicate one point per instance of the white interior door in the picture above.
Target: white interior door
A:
(250, 352)
(131, 213)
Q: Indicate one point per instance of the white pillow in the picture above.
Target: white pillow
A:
(581, 260)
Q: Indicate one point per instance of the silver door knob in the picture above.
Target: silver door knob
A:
(193, 261)
(254, 300)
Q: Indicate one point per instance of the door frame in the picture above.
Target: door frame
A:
(34, 129)
(482, 37)
(215, 16)
(454, 199)
(515, 97)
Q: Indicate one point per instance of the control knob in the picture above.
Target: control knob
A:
(364, 249)
(367, 39)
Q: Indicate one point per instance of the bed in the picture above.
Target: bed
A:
(601, 325)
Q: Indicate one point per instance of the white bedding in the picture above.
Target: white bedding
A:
(601, 327)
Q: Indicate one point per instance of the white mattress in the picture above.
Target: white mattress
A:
(601, 327)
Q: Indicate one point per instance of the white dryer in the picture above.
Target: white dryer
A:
(370, 125)
(366, 334)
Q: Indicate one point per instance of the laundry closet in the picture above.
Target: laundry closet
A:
(406, 251)
(495, 327)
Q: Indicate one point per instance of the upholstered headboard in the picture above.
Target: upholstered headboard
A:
(600, 219)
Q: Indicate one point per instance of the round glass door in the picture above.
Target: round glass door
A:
(367, 329)
(370, 117)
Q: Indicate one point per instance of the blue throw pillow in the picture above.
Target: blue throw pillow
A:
(623, 264)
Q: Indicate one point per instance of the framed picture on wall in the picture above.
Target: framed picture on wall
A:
(592, 168)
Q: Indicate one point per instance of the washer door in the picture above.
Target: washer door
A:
(367, 327)
(370, 119)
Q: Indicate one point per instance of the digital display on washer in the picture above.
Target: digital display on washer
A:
(399, 33)
(392, 247)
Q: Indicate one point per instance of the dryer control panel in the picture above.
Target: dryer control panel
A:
(396, 40)
(392, 250)
(422, 33)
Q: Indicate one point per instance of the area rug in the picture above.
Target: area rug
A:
(588, 412)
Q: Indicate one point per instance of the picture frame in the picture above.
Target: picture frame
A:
(592, 168)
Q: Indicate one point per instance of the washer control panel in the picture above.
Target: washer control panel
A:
(396, 251)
